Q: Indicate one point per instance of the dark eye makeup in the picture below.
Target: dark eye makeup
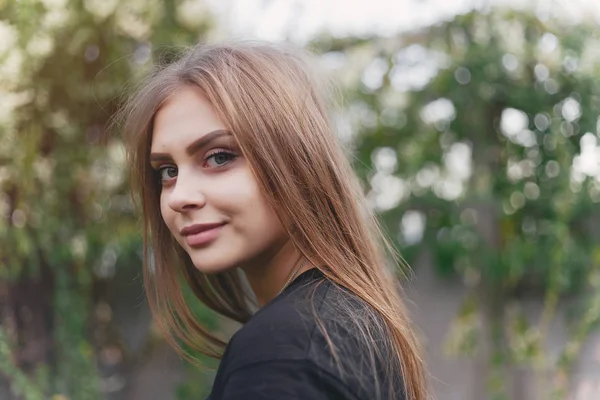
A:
(214, 159)
(219, 158)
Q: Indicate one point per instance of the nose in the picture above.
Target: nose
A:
(186, 195)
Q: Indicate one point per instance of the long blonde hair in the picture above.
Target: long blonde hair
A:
(271, 101)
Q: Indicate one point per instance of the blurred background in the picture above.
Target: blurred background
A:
(474, 125)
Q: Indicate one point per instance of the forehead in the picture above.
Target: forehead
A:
(184, 117)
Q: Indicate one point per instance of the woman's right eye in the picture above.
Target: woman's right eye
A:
(167, 173)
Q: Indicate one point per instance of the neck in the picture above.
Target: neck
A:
(268, 276)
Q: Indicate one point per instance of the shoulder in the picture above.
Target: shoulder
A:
(283, 379)
(283, 329)
(353, 343)
(316, 330)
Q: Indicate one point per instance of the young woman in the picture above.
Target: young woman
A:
(243, 186)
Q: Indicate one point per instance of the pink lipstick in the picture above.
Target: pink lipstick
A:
(201, 234)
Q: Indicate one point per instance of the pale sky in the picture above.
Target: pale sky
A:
(300, 19)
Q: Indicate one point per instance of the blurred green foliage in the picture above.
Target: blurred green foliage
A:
(475, 139)
(67, 217)
(478, 143)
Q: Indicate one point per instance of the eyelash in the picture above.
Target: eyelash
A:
(232, 156)
(159, 173)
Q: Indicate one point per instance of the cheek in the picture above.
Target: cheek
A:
(246, 204)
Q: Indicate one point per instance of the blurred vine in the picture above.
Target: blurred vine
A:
(477, 140)
(68, 227)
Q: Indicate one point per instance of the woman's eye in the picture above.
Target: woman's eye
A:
(167, 173)
(219, 159)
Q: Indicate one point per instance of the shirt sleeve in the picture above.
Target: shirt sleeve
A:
(284, 380)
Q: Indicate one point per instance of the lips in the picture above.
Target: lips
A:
(199, 228)
(201, 234)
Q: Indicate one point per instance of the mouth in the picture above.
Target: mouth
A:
(199, 235)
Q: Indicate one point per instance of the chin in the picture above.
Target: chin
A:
(210, 267)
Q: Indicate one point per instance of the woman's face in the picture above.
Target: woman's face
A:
(210, 199)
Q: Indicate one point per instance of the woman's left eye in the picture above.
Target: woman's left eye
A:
(219, 159)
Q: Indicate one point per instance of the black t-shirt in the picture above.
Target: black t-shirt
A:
(282, 353)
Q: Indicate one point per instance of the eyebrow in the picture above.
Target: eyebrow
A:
(194, 146)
